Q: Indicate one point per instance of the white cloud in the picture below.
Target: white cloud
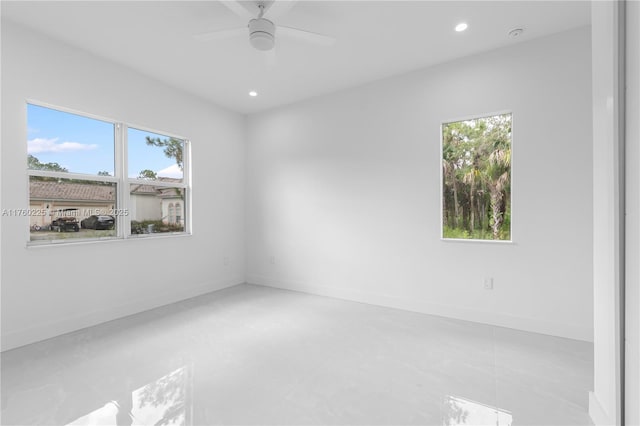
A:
(38, 145)
(172, 171)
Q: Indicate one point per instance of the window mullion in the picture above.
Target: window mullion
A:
(123, 221)
(186, 161)
(73, 176)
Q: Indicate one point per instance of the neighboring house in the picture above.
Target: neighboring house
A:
(145, 203)
(48, 199)
(148, 202)
(172, 205)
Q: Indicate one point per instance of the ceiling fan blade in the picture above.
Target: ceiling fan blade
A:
(237, 8)
(311, 37)
(279, 8)
(222, 34)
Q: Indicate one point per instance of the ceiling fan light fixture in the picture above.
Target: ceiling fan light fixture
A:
(262, 34)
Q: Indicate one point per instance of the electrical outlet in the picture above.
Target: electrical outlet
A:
(272, 260)
(488, 283)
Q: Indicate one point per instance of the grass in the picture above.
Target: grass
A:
(82, 234)
(478, 234)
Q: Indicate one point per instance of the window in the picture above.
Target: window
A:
(172, 213)
(77, 181)
(476, 178)
(178, 214)
(157, 183)
(71, 165)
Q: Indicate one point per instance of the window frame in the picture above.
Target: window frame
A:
(477, 116)
(120, 179)
(184, 185)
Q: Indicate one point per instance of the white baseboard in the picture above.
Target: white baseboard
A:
(72, 323)
(449, 311)
(597, 413)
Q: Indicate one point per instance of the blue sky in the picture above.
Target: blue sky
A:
(86, 145)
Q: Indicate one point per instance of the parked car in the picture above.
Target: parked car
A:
(98, 222)
(65, 223)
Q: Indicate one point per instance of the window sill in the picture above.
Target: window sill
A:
(469, 240)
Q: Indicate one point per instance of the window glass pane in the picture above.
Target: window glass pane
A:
(476, 178)
(156, 209)
(155, 157)
(64, 142)
(62, 209)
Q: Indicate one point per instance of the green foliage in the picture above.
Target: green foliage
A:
(172, 148)
(464, 234)
(142, 227)
(34, 164)
(147, 174)
(448, 232)
(476, 170)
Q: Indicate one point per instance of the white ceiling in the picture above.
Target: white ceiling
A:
(375, 39)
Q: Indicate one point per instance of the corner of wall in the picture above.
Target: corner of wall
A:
(76, 322)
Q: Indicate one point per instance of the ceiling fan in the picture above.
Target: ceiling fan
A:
(262, 31)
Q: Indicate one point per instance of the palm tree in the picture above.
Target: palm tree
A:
(498, 169)
(499, 178)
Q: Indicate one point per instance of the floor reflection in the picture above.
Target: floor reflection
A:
(460, 411)
(255, 356)
(161, 403)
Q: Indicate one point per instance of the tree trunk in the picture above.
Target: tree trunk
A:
(497, 209)
(471, 209)
(455, 203)
(444, 205)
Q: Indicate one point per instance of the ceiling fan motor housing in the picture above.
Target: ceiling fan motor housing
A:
(262, 33)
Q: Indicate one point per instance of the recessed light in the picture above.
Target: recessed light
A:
(461, 27)
(253, 93)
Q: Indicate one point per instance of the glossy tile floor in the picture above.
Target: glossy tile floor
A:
(254, 355)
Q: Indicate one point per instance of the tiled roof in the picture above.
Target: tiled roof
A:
(150, 189)
(171, 192)
(168, 179)
(143, 189)
(53, 190)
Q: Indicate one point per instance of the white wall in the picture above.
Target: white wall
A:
(343, 193)
(604, 401)
(632, 138)
(47, 291)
